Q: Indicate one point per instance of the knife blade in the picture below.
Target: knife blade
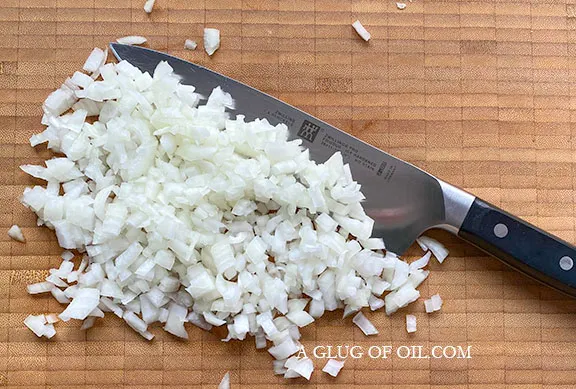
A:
(403, 200)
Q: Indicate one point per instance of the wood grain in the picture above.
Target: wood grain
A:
(480, 93)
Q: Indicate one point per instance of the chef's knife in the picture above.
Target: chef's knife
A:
(403, 200)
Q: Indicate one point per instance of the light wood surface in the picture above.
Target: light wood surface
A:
(481, 94)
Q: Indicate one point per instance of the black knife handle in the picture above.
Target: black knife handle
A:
(521, 245)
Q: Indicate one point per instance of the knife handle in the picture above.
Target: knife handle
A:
(521, 245)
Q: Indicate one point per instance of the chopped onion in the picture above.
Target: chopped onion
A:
(83, 303)
(60, 296)
(364, 34)
(437, 248)
(375, 303)
(39, 325)
(225, 383)
(36, 324)
(94, 61)
(40, 287)
(300, 318)
(16, 233)
(421, 262)
(428, 306)
(284, 349)
(364, 324)
(410, 323)
(175, 323)
(183, 211)
(299, 367)
(333, 367)
(88, 323)
(49, 330)
(132, 40)
(401, 6)
(190, 44)
(279, 368)
(148, 5)
(436, 302)
(67, 255)
(373, 244)
(211, 40)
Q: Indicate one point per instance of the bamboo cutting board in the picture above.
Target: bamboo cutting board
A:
(481, 94)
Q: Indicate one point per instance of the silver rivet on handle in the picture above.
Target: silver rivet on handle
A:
(500, 230)
(566, 263)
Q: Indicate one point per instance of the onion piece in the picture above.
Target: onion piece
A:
(410, 323)
(284, 349)
(211, 40)
(225, 383)
(49, 330)
(436, 302)
(88, 323)
(67, 255)
(94, 60)
(189, 44)
(364, 34)
(333, 367)
(40, 287)
(437, 248)
(148, 5)
(83, 303)
(300, 318)
(60, 296)
(375, 303)
(175, 323)
(364, 324)
(36, 324)
(15, 232)
(132, 40)
(421, 262)
(302, 367)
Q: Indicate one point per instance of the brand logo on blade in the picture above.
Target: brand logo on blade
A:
(308, 131)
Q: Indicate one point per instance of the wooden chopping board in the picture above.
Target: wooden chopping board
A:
(479, 93)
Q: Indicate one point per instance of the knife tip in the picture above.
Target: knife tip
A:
(114, 48)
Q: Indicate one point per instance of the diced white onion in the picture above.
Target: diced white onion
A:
(436, 302)
(185, 212)
(421, 262)
(302, 367)
(36, 324)
(410, 323)
(94, 61)
(364, 324)
(437, 248)
(148, 5)
(284, 349)
(16, 233)
(333, 367)
(40, 287)
(211, 40)
(364, 34)
(83, 303)
(132, 40)
(190, 44)
(225, 383)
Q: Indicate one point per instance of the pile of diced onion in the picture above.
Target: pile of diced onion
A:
(182, 214)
